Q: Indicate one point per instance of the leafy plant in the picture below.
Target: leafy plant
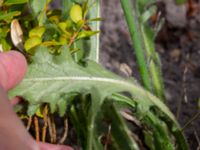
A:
(64, 76)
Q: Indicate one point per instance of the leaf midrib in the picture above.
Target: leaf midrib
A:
(77, 78)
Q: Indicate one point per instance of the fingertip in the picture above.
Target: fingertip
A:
(13, 67)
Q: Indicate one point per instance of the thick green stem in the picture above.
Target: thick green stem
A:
(134, 28)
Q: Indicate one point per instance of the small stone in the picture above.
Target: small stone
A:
(175, 54)
(176, 15)
(126, 69)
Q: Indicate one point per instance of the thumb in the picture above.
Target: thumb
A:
(12, 69)
(13, 135)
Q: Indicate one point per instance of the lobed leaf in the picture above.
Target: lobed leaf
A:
(52, 79)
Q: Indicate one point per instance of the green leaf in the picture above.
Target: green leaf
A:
(32, 42)
(86, 34)
(66, 5)
(9, 16)
(51, 32)
(148, 138)
(4, 31)
(50, 77)
(119, 130)
(37, 31)
(157, 122)
(76, 13)
(5, 45)
(37, 6)
(13, 2)
(160, 132)
(147, 14)
(143, 4)
(153, 61)
(39, 9)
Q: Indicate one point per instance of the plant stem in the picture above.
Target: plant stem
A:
(136, 36)
(153, 62)
(95, 25)
(90, 134)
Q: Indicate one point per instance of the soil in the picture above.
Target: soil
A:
(179, 49)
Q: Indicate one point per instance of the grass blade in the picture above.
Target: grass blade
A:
(161, 133)
(119, 130)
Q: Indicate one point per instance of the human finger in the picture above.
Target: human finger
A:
(13, 67)
(46, 146)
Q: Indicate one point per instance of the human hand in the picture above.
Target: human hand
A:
(13, 135)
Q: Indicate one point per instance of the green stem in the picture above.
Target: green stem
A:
(90, 134)
(95, 25)
(154, 63)
(136, 36)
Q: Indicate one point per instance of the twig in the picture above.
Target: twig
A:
(64, 137)
(54, 129)
(72, 39)
(179, 108)
(198, 140)
(130, 118)
(107, 138)
(50, 129)
(184, 84)
(44, 129)
(184, 79)
(191, 120)
(30, 119)
(37, 129)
